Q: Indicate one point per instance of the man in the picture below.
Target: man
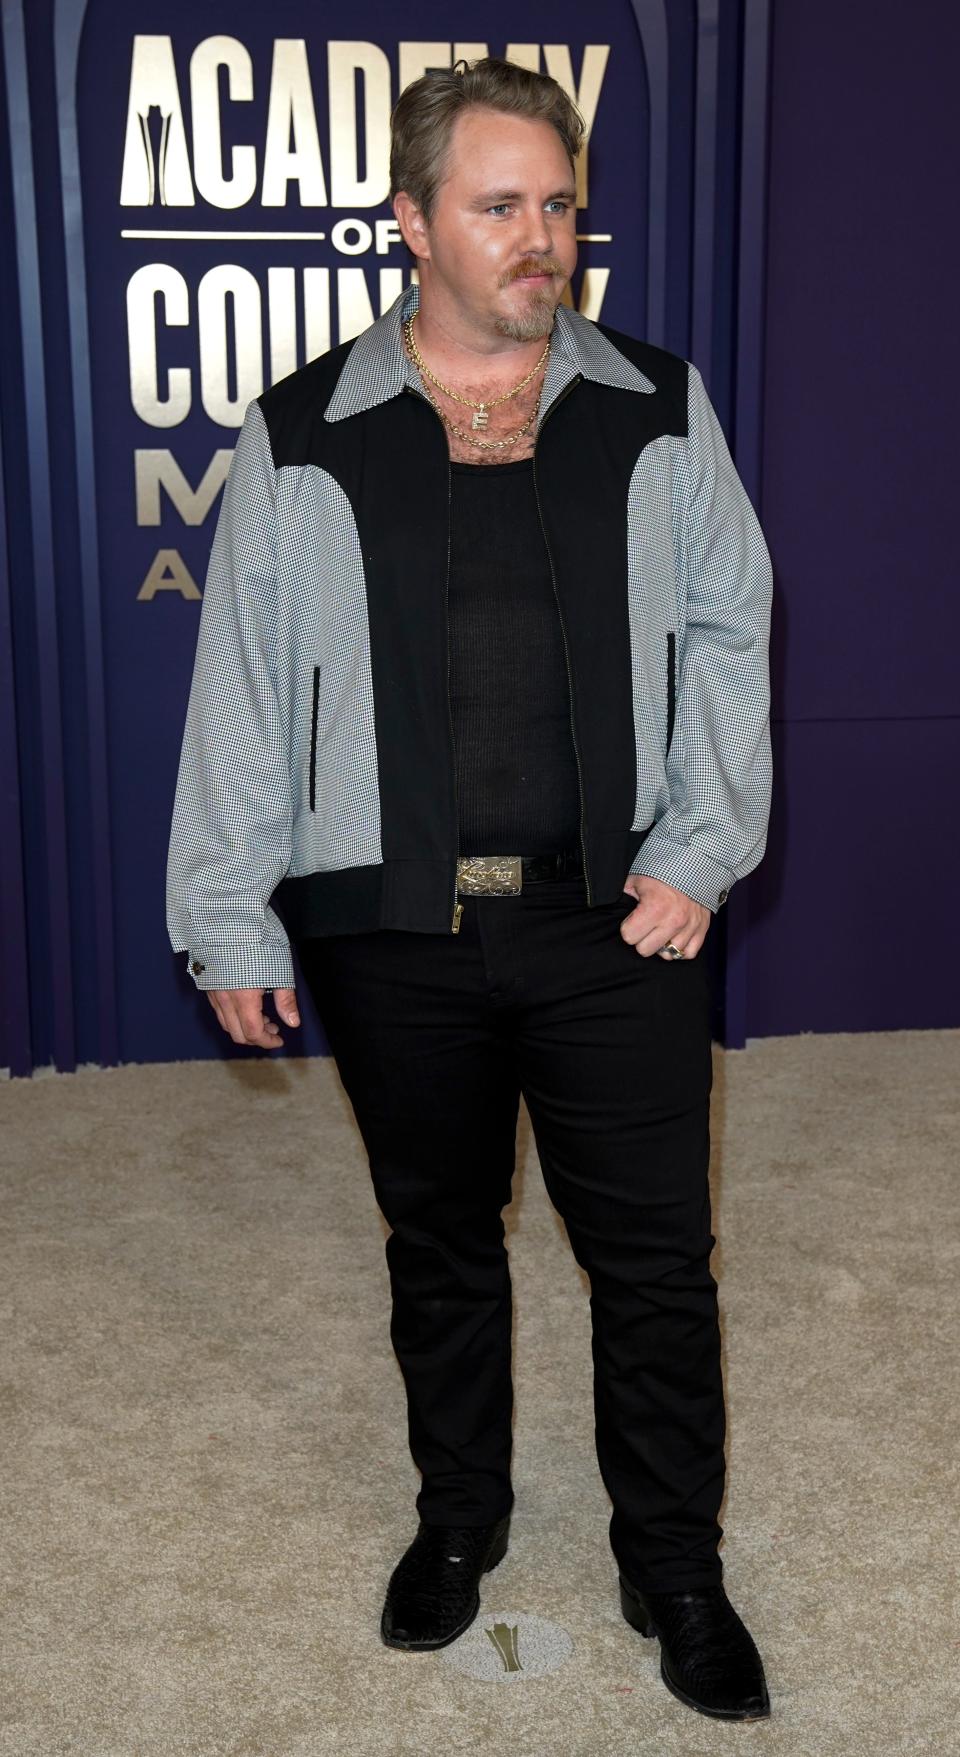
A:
(479, 722)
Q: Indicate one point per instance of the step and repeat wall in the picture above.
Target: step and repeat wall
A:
(192, 205)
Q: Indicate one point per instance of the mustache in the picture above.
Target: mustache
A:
(535, 267)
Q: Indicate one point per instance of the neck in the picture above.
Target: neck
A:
(454, 347)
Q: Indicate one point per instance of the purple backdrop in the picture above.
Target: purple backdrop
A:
(817, 345)
(852, 911)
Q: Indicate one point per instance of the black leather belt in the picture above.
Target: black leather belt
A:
(504, 875)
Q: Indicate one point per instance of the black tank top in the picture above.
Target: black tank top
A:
(517, 783)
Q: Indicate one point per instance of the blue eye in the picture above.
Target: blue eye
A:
(557, 202)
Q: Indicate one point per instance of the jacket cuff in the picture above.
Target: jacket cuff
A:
(682, 865)
(267, 966)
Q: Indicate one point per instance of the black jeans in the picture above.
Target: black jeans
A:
(435, 1036)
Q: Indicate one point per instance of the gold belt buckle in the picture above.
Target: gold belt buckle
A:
(489, 875)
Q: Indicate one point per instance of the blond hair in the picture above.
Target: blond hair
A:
(423, 116)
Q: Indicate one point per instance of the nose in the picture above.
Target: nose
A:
(537, 234)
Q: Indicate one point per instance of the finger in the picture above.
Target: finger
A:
(656, 934)
(644, 927)
(689, 949)
(651, 937)
(232, 1023)
(656, 941)
(285, 1001)
(258, 1031)
(240, 1012)
(243, 1017)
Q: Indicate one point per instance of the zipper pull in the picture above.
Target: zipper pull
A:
(456, 918)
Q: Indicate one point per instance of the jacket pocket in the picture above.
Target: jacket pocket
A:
(313, 738)
(671, 682)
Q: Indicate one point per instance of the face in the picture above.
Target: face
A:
(502, 242)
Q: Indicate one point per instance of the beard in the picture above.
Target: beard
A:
(534, 320)
(531, 324)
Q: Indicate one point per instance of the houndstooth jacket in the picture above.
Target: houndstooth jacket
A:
(316, 784)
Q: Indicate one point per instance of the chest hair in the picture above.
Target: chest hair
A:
(505, 419)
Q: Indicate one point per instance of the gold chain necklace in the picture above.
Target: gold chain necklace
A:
(487, 444)
(480, 418)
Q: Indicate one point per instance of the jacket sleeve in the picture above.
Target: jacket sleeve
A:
(231, 832)
(719, 765)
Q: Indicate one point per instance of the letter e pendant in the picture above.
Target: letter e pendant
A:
(480, 418)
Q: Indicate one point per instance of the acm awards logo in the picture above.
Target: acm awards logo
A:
(174, 158)
(509, 1647)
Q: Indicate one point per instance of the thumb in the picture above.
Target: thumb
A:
(285, 1001)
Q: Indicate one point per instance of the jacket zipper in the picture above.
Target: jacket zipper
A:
(457, 905)
(313, 739)
(566, 650)
(671, 682)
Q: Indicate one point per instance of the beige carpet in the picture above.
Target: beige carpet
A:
(204, 1444)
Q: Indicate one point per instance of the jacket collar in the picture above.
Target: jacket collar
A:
(378, 366)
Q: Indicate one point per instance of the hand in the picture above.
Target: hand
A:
(240, 1012)
(663, 913)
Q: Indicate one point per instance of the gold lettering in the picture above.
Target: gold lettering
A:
(205, 62)
(413, 59)
(586, 96)
(593, 285)
(316, 312)
(168, 572)
(347, 187)
(241, 338)
(142, 289)
(159, 469)
(525, 55)
(353, 300)
(291, 105)
(282, 315)
(155, 161)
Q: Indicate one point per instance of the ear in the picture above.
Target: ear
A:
(413, 227)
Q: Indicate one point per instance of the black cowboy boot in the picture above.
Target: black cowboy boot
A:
(432, 1596)
(707, 1656)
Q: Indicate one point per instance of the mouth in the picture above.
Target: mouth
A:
(534, 280)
